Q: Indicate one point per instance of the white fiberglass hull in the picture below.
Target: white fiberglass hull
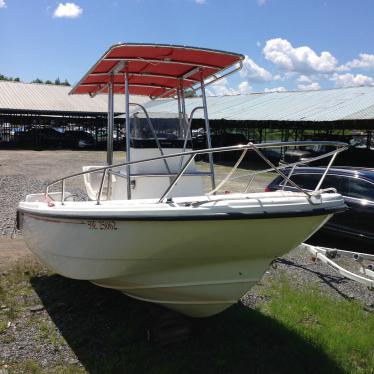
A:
(197, 260)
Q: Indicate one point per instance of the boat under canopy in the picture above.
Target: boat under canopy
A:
(151, 228)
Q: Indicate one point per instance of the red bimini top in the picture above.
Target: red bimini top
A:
(154, 69)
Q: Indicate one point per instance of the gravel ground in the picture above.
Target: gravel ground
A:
(13, 189)
(298, 266)
(21, 341)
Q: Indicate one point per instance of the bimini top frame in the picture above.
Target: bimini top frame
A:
(157, 71)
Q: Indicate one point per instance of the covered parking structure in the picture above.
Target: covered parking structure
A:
(295, 115)
(292, 115)
(29, 105)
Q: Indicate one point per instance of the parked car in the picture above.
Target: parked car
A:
(39, 137)
(356, 155)
(199, 141)
(78, 139)
(357, 187)
(119, 139)
(305, 153)
(229, 139)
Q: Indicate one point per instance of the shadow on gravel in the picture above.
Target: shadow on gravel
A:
(108, 333)
(330, 280)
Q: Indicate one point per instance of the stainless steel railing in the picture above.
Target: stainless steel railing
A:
(293, 165)
(340, 147)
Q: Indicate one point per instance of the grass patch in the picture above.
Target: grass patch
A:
(107, 332)
(16, 292)
(294, 331)
(3, 326)
(32, 367)
(342, 329)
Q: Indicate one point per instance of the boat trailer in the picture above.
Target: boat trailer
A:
(329, 256)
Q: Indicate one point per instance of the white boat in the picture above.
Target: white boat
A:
(149, 229)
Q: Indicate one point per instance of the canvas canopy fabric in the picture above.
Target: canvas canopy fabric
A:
(154, 69)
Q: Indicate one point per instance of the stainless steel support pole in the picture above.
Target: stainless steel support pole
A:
(253, 176)
(289, 176)
(128, 133)
(101, 188)
(181, 172)
(325, 172)
(109, 140)
(278, 170)
(182, 116)
(207, 131)
(183, 105)
(179, 108)
(109, 137)
(229, 175)
(63, 193)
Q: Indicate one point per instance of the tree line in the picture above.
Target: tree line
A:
(9, 79)
(57, 81)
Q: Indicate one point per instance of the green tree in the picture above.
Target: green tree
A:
(8, 79)
(57, 81)
(48, 82)
(37, 80)
(190, 93)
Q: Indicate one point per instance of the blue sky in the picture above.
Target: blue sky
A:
(290, 44)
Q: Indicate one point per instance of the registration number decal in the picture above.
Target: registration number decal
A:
(101, 225)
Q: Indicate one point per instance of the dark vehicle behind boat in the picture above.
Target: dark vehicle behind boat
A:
(45, 137)
(78, 139)
(356, 155)
(306, 153)
(229, 139)
(357, 187)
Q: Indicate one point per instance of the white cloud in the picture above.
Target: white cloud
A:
(68, 10)
(200, 2)
(350, 80)
(253, 72)
(221, 88)
(342, 68)
(304, 79)
(244, 87)
(2, 4)
(313, 86)
(262, 2)
(289, 75)
(306, 83)
(258, 43)
(365, 61)
(275, 89)
(303, 59)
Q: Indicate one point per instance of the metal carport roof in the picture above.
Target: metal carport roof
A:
(355, 103)
(35, 97)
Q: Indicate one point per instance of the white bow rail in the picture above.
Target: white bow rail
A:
(190, 155)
